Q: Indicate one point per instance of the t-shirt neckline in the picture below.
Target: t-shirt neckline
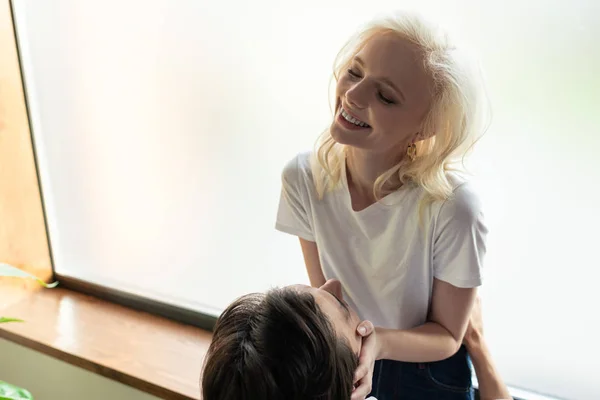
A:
(384, 203)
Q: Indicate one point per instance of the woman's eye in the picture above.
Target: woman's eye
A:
(385, 99)
(352, 73)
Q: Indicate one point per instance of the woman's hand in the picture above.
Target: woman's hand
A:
(363, 377)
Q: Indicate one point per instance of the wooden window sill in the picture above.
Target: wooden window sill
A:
(147, 352)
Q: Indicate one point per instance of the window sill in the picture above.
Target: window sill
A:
(150, 353)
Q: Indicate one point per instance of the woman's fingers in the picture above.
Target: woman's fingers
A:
(362, 391)
(365, 328)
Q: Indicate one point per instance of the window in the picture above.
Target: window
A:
(161, 129)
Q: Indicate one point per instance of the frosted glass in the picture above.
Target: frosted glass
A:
(161, 128)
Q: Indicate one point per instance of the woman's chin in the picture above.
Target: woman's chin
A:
(346, 137)
(335, 133)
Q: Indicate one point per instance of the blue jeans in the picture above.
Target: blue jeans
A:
(449, 379)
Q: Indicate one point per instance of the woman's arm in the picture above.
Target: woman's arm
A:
(491, 386)
(313, 265)
(459, 238)
(437, 339)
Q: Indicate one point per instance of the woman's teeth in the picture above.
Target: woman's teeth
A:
(353, 120)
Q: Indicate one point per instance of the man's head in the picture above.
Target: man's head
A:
(291, 343)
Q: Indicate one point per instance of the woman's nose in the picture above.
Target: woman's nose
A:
(355, 97)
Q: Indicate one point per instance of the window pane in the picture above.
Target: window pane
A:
(162, 127)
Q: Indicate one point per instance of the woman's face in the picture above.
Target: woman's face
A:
(385, 92)
(344, 319)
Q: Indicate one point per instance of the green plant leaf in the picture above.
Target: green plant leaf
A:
(8, 319)
(12, 392)
(9, 270)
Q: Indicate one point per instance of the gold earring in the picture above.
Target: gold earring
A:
(411, 152)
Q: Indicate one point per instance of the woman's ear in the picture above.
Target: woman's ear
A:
(417, 137)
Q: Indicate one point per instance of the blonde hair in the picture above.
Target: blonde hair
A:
(454, 122)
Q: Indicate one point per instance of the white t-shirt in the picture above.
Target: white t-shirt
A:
(384, 258)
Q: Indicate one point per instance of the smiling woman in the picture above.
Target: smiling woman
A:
(408, 105)
(364, 81)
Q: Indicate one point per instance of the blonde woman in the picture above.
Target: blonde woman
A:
(379, 207)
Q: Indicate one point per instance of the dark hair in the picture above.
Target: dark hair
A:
(277, 346)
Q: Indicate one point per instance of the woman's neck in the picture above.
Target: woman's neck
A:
(363, 169)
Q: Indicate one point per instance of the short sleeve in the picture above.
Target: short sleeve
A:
(293, 213)
(460, 239)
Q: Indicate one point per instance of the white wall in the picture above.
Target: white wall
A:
(50, 379)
